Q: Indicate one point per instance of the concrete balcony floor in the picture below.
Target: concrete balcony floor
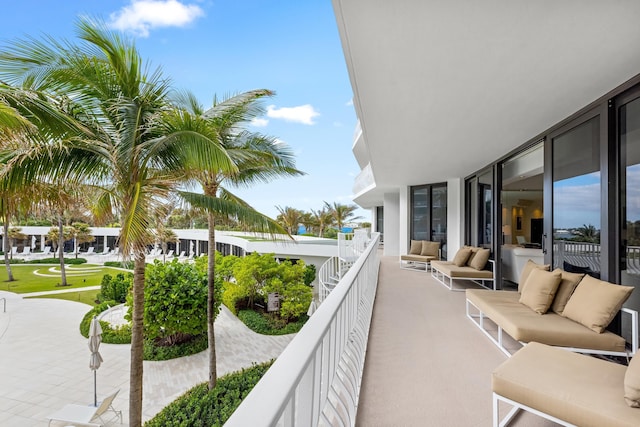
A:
(426, 363)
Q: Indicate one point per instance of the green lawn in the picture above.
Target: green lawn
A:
(87, 297)
(42, 277)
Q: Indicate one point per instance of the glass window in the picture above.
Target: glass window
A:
(577, 199)
(429, 214)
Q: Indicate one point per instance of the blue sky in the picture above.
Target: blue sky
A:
(229, 46)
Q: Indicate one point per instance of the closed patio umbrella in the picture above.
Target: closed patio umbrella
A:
(95, 338)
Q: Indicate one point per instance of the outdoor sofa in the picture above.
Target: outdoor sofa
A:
(567, 388)
(420, 255)
(470, 263)
(556, 308)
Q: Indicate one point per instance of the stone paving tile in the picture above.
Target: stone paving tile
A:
(45, 362)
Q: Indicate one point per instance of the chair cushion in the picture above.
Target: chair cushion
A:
(430, 248)
(565, 290)
(632, 383)
(595, 303)
(416, 247)
(462, 256)
(479, 259)
(526, 270)
(540, 288)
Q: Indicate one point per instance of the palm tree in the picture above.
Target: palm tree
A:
(13, 128)
(308, 220)
(290, 218)
(323, 218)
(259, 158)
(342, 213)
(113, 128)
(81, 234)
(587, 233)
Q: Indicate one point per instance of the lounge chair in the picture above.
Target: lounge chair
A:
(90, 251)
(26, 251)
(106, 251)
(86, 414)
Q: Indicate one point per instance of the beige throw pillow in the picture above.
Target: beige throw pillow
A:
(632, 383)
(462, 256)
(526, 270)
(565, 290)
(479, 259)
(540, 288)
(595, 303)
(416, 247)
(430, 248)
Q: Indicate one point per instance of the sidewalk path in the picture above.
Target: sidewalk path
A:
(45, 362)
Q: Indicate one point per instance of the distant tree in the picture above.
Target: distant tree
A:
(15, 234)
(309, 222)
(342, 213)
(587, 233)
(81, 233)
(289, 218)
(324, 218)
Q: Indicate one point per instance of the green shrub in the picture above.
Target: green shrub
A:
(121, 335)
(199, 407)
(120, 264)
(70, 261)
(270, 324)
(115, 288)
(157, 352)
(309, 274)
(232, 294)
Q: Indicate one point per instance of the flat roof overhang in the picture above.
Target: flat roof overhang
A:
(443, 89)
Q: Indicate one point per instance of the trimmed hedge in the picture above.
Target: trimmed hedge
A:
(111, 336)
(69, 261)
(199, 407)
(155, 352)
(267, 325)
(122, 335)
(120, 264)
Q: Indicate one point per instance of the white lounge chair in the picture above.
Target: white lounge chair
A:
(26, 251)
(106, 251)
(90, 251)
(86, 414)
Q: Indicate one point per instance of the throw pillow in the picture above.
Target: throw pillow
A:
(632, 383)
(595, 303)
(462, 256)
(526, 270)
(565, 290)
(474, 251)
(540, 288)
(479, 259)
(430, 248)
(416, 247)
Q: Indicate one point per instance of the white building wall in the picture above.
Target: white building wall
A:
(455, 216)
(391, 224)
(405, 223)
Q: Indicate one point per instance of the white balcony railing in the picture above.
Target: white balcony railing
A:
(316, 379)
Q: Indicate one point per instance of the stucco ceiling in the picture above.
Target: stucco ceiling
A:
(443, 88)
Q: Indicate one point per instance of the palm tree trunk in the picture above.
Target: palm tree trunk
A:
(7, 249)
(63, 273)
(137, 337)
(211, 315)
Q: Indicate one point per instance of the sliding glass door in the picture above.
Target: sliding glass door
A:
(577, 198)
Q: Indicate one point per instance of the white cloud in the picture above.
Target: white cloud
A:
(301, 114)
(349, 103)
(143, 15)
(259, 122)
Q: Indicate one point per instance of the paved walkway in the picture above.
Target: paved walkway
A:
(44, 362)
